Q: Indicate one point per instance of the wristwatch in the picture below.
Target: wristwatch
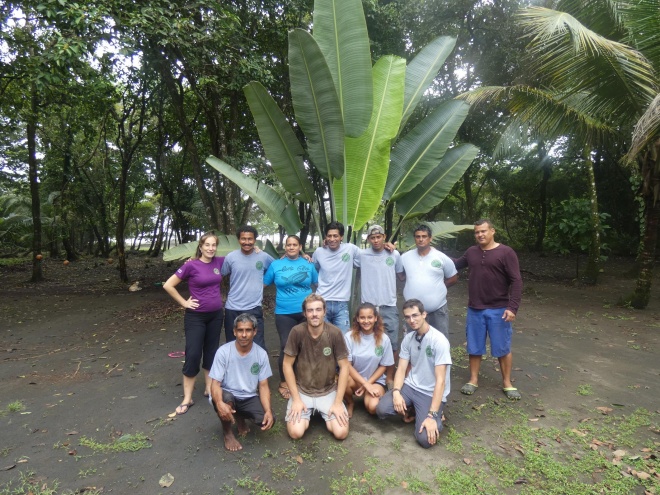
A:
(433, 414)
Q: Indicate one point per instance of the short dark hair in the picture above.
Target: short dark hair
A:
(482, 221)
(246, 228)
(335, 226)
(312, 298)
(422, 227)
(413, 303)
(245, 318)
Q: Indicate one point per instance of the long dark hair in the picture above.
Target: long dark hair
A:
(378, 327)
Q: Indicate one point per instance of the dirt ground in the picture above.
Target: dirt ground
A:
(87, 387)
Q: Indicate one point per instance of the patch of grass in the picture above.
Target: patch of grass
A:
(16, 406)
(585, 390)
(28, 483)
(152, 385)
(4, 452)
(396, 444)
(299, 490)
(288, 470)
(454, 443)
(125, 443)
(84, 473)
(456, 482)
(368, 482)
(459, 357)
(415, 485)
(255, 487)
(12, 261)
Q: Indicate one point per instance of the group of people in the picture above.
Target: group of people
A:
(326, 359)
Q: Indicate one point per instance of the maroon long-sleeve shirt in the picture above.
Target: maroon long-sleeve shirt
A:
(495, 280)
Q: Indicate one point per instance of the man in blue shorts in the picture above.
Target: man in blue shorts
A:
(245, 268)
(313, 352)
(239, 387)
(378, 271)
(494, 294)
(426, 387)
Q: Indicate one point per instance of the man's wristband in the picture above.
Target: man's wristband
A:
(396, 390)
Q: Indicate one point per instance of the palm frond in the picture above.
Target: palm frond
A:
(646, 130)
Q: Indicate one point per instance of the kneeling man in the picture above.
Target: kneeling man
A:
(317, 348)
(239, 387)
(427, 385)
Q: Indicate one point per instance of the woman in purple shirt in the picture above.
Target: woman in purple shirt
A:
(202, 321)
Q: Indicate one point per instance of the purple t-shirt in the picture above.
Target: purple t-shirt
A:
(204, 283)
(495, 280)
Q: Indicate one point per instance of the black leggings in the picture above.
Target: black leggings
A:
(284, 324)
(202, 339)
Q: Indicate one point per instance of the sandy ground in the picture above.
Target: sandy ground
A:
(88, 361)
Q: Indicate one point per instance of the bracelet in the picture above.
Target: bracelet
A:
(433, 414)
(396, 390)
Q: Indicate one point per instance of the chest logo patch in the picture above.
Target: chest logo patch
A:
(259, 265)
(254, 369)
(429, 351)
(379, 350)
(436, 264)
(345, 257)
(327, 351)
(216, 271)
(389, 261)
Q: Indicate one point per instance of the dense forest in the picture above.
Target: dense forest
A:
(109, 111)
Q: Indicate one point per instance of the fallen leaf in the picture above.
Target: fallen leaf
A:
(616, 461)
(519, 449)
(7, 468)
(21, 461)
(166, 480)
(579, 433)
(646, 449)
(404, 484)
(520, 481)
(171, 415)
(467, 461)
(533, 419)
(130, 397)
(73, 452)
(604, 410)
(479, 407)
(517, 369)
(641, 475)
(72, 432)
(299, 459)
(619, 453)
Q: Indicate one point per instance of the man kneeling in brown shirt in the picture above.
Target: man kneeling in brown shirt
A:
(317, 348)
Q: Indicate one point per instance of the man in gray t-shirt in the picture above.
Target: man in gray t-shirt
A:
(239, 387)
(378, 271)
(245, 268)
(426, 387)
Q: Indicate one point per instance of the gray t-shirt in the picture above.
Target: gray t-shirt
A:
(246, 282)
(424, 356)
(378, 277)
(425, 277)
(238, 374)
(335, 271)
(366, 356)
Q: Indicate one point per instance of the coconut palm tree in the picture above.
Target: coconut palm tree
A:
(593, 69)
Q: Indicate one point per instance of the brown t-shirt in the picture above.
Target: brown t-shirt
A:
(316, 359)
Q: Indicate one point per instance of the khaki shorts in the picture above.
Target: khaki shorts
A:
(320, 404)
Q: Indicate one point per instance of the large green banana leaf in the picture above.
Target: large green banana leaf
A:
(226, 244)
(435, 187)
(281, 145)
(422, 70)
(367, 157)
(419, 151)
(273, 204)
(316, 104)
(341, 32)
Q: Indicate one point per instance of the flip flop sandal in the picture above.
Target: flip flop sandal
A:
(512, 393)
(469, 388)
(187, 406)
(177, 354)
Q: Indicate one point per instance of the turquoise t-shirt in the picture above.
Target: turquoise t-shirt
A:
(293, 280)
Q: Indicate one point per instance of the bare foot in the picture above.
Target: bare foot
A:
(230, 441)
(349, 407)
(243, 428)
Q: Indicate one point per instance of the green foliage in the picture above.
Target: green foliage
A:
(570, 227)
(125, 443)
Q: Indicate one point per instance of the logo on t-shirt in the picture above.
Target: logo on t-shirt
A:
(216, 271)
(389, 261)
(436, 264)
(254, 369)
(379, 350)
(260, 265)
(345, 257)
(327, 351)
(429, 351)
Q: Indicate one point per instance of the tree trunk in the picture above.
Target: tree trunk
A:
(546, 167)
(639, 299)
(590, 275)
(37, 272)
(121, 223)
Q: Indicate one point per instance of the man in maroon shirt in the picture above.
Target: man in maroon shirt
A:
(494, 293)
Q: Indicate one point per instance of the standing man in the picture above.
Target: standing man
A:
(245, 268)
(428, 274)
(316, 348)
(426, 387)
(494, 294)
(239, 389)
(334, 262)
(378, 272)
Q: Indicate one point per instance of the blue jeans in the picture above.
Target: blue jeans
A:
(337, 313)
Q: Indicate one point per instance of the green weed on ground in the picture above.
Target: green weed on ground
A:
(125, 443)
